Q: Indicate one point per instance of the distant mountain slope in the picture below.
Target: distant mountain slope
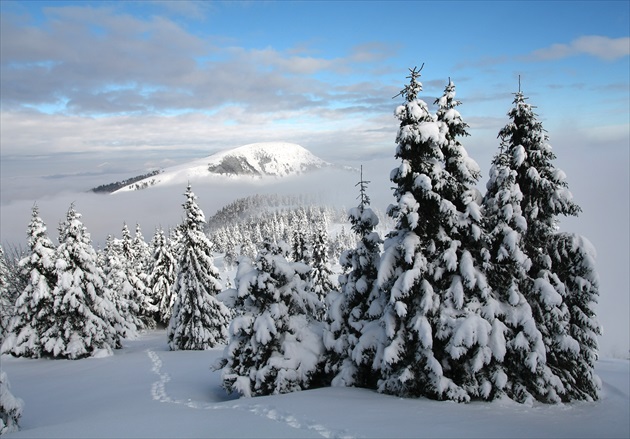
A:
(274, 159)
(112, 187)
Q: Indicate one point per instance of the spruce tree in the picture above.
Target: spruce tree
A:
(6, 305)
(33, 310)
(545, 198)
(119, 290)
(132, 253)
(436, 317)
(474, 337)
(320, 277)
(10, 407)
(573, 259)
(199, 320)
(162, 277)
(349, 311)
(301, 244)
(523, 367)
(275, 346)
(13, 280)
(81, 311)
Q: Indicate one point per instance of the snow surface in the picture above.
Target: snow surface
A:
(276, 159)
(145, 390)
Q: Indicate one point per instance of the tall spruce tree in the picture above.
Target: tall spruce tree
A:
(81, 311)
(33, 309)
(477, 337)
(320, 277)
(545, 198)
(133, 258)
(301, 244)
(409, 366)
(10, 407)
(119, 290)
(573, 259)
(524, 367)
(275, 345)
(350, 310)
(199, 320)
(437, 318)
(162, 277)
(6, 307)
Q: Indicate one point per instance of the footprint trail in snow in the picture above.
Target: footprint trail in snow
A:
(158, 393)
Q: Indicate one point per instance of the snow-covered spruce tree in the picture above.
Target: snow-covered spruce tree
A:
(545, 198)
(524, 368)
(119, 290)
(81, 311)
(320, 278)
(301, 245)
(162, 277)
(438, 333)
(10, 407)
(133, 257)
(142, 252)
(33, 310)
(13, 281)
(275, 345)
(349, 311)
(573, 259)
(199, 320)
(477, 345)
(7, 305)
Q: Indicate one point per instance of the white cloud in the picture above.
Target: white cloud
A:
(605, 48)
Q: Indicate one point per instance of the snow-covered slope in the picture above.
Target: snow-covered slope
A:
(145, 390)
(275, 159)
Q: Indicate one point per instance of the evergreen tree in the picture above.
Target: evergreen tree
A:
(119, 290)
(6, 304)
(10, 407)
(301, 246)
(437, 318)
(13, 281)
(81, 311)
(275, 346)
(142, 253)
(524, 368)
(545, 197)
(473, 337)
(573, 259)
(162, 277)
(199, 320)
(349, 310)
(33, 313)
(132, 256)
(320, 278)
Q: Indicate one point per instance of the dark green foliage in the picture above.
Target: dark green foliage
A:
(113, 187)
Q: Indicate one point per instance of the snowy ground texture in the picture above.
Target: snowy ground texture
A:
(145, 390)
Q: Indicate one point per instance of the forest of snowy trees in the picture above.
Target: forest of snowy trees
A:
(467, 296)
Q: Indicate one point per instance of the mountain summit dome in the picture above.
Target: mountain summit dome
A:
(269, 158)
(257, 160)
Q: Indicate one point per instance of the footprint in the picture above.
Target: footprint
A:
(158, 393)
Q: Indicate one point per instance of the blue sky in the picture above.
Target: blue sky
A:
(169, 80)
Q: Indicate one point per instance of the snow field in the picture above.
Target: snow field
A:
(145, 390)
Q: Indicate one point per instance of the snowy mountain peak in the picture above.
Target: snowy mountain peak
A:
(270, 158)
(274, 159)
